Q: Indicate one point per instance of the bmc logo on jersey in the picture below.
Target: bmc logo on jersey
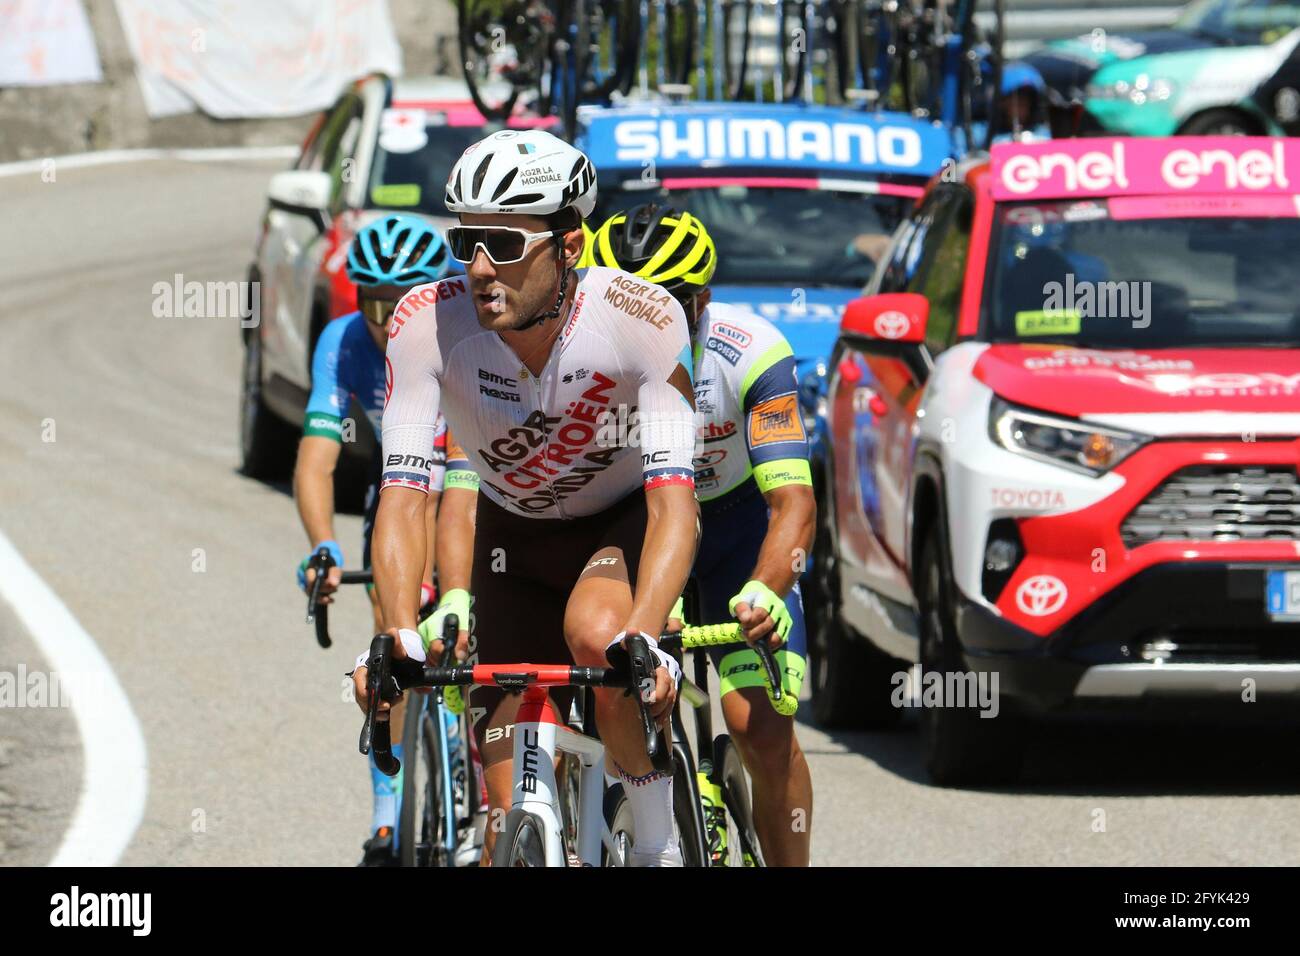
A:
(730, 332)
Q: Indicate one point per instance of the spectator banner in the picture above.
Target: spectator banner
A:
(43, 42)
(250, 58)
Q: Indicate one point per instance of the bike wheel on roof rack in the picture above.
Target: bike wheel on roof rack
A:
(500, 49)
(876, 48)
(677, 32)
(793, 34)
(609, 38)
(932, 27)
(568, 59)
(735, 46)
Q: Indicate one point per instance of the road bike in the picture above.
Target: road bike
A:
(570, 817)
(711, 802)
(441, 794)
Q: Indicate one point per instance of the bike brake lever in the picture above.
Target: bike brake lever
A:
(321, 562)
(642, 666)
(769, 667)
(375, 733)
(450, 633)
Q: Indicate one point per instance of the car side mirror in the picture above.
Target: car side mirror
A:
(890, 317)
(305, 192)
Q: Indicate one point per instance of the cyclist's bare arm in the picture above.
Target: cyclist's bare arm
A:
(456, 546)
(399, 549)
(431, 509)
(313, 492)
(790, 529)
(666, 557)
(397, 554)
(456, 537)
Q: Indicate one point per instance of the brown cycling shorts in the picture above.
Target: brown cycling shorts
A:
(524, 571)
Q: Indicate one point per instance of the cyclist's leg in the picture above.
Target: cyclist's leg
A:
(768, 745)
(598, 607)
(385, 791)
(516, 618)
(766, 740)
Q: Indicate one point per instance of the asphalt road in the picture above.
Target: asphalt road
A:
(181, 570)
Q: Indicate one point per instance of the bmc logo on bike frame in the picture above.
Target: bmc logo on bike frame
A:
(530, 759)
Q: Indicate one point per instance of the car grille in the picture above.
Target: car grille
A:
(1215, 503)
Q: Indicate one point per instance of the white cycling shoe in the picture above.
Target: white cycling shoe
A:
(669, 857)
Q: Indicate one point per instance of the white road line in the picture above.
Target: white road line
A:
(116, 778)
(109, 156)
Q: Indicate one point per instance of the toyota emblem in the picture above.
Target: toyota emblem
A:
(1041, 595)
(892, 325)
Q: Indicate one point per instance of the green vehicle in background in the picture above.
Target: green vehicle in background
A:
(1203, 75)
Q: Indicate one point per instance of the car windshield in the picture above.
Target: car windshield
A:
(1240, 21)
(1128, 273)
(413, 177)
(780, 236)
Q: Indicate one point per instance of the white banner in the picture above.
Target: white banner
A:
(247, 58)
(43, 42)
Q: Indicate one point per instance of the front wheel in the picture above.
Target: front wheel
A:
(741, 841)
(622, 827)
(267, 444)
(423, 829)
(1217, 123)
(522, 842)
(851, 680)
(962, 748)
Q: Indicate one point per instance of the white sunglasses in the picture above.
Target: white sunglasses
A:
(503, 245)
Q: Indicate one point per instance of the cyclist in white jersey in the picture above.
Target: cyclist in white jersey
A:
(572, 398)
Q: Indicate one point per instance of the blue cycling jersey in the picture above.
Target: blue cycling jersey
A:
(346, 362)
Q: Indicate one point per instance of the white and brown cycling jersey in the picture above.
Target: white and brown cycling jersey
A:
(611, 409)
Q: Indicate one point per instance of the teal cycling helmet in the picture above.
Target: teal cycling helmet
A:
(398, 250)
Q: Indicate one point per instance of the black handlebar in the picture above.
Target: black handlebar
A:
(632, 667)
(387, 677)
(318, 613)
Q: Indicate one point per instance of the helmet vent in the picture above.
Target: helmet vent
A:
(522, 199)
(505, 184)
(481, 172)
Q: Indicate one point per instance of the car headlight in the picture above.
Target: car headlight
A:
(1079, 446)
(1143, 89)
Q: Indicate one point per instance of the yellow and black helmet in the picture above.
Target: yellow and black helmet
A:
(658, 244)
(588, 247)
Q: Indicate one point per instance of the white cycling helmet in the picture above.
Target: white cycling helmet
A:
(522, 171)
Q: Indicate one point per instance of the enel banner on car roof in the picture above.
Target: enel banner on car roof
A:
(1057, 169)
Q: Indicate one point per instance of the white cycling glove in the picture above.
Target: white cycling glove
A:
(662, 659)
(410, 640)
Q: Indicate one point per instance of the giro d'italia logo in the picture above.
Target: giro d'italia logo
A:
(891, 325)
(1041, 595)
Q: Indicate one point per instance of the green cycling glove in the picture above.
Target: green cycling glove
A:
(456, 601)
(758, 595)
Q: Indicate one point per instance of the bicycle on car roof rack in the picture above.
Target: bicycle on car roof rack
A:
(925, 58)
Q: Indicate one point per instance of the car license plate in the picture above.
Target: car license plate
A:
(1283, 595)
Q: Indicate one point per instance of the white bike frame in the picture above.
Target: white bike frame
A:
(538, 737)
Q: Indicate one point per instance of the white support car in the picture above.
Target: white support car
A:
(386, 146)
(1065, 434)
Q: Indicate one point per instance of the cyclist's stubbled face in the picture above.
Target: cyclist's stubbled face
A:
(507, 296)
